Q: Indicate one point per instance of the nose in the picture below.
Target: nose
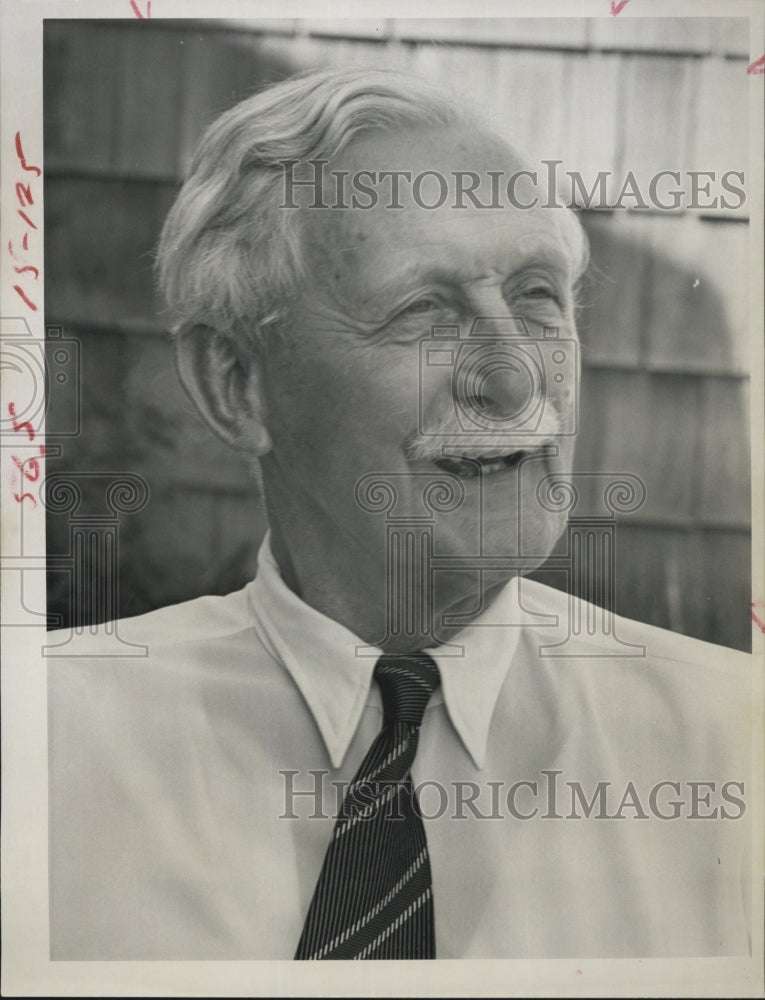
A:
(504, 389)
(496, 384)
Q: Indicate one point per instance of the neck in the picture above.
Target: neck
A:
(320, 571)
(398, 618)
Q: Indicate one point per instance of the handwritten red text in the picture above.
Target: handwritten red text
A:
(137, 10)
(30, 468)
(27, 272)
(755, 617)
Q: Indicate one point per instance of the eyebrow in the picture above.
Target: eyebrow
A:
(400, 282)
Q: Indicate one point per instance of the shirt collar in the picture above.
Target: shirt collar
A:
(333, 668)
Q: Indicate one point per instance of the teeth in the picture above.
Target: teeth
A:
(479, 465)
(515, 458)
(457, 466)
(493, 466)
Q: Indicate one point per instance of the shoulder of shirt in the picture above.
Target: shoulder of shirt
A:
(203, 619)
(661, 645)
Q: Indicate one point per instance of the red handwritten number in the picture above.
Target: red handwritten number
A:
(27, 267)
(25, 200)
(20, 290)
(138, 13)
(755, 618)
(757, 68)
(26, 218)
(34, 467)
(24, 194)
(20, 425)
(22, 159)
(617, 8)
(32, 473)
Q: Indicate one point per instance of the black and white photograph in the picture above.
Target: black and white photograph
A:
(382, 429)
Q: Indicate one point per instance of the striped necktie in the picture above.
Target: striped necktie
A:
(373, 899)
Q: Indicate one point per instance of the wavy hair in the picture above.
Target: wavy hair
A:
(228, 257)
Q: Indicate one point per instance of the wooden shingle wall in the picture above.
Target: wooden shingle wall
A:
(664, 309)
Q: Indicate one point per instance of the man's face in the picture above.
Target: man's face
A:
(354, 389)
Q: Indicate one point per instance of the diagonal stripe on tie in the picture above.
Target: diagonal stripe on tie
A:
(373, 898)
(376, 909)
(372, 950)
(395, 753)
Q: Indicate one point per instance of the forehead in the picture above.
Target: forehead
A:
(411, 232)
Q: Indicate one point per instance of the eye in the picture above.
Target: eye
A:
(426, 304)
(539, 292)
(413, 319)
(536, 288)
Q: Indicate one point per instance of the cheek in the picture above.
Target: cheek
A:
(333, 415)
(333, 385)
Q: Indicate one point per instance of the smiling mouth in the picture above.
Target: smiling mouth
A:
(479, 465)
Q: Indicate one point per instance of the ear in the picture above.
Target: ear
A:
(225, 382)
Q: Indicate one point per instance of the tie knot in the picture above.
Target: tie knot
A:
(406, 683)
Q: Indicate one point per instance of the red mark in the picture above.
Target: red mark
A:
(34, 467)
(22, 158)
(757, 621)
(19, 425)
(27, 267)
(29, 469)
(25, 200)
(617, 8)
(24, 194)
(579, 972)
(32, 306)
(138, 13)
(757, 68)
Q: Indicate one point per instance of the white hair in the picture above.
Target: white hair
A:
(229, 258)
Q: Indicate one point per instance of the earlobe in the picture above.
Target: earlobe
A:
(225, 385)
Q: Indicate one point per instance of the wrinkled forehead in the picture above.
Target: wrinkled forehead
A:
(458, 194)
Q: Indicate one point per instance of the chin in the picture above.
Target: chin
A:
(528, 540)
(515, 522)
(539, 541)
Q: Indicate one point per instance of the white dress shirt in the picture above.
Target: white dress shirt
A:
(171, 775)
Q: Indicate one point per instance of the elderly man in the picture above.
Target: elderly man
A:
(385, 746)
